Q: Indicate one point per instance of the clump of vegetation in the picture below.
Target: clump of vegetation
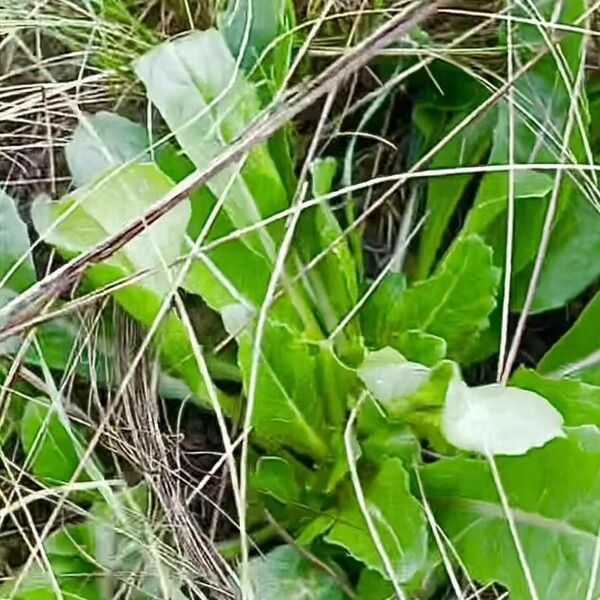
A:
(315, 318)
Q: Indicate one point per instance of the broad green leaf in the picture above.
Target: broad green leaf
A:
(91, 214)
(275, 476)
(455, 302)
(391, 440)
(553, 493)
(289, 406)
(578, 403)
(207, 103)
(14, 244)
(102, 142)
(444, 193)
(285, 573)
(567, 270)
(420, 347)
(543, 107)
(487, 218)
(397, 516)
(388, 375)
(576, 345)
(495, 419)
(106, 206)
(372, 586)
(51, 448)
(256, 22)
(377, 314)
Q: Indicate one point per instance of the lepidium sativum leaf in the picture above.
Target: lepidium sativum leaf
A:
(553, 493)
(495, 419)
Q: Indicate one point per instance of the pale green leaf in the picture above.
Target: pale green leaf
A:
(577, 402)
(102, 142)
(495, 419)
(14, 245)
(388, 375)
(207, 103)
(105, 207)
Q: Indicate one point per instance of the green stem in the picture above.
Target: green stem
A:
(230, 549)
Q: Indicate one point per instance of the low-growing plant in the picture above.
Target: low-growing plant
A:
(370, 463)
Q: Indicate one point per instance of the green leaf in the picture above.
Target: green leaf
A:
(289, 408)
(444, 193)
(544, 104)
(389, 376)
(14, 244)
(102, 142)
(284, 573)
(553, 493)
(576, 345)
(93, 559)
(324, 171)
(258, 21)
(391, 440)
(207, 103)
(495, 419)
(51, 447)
(455, 302)
(575, 237)
(578, 403)
(56, 339)
(76, 579)
(398, 518)
(487, 218)
(103, 208)
(421, 347)
(372, 586)
(333, 281)
(377, 317)
(274, 476)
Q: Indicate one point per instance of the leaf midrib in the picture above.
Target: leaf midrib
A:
(489, 509)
